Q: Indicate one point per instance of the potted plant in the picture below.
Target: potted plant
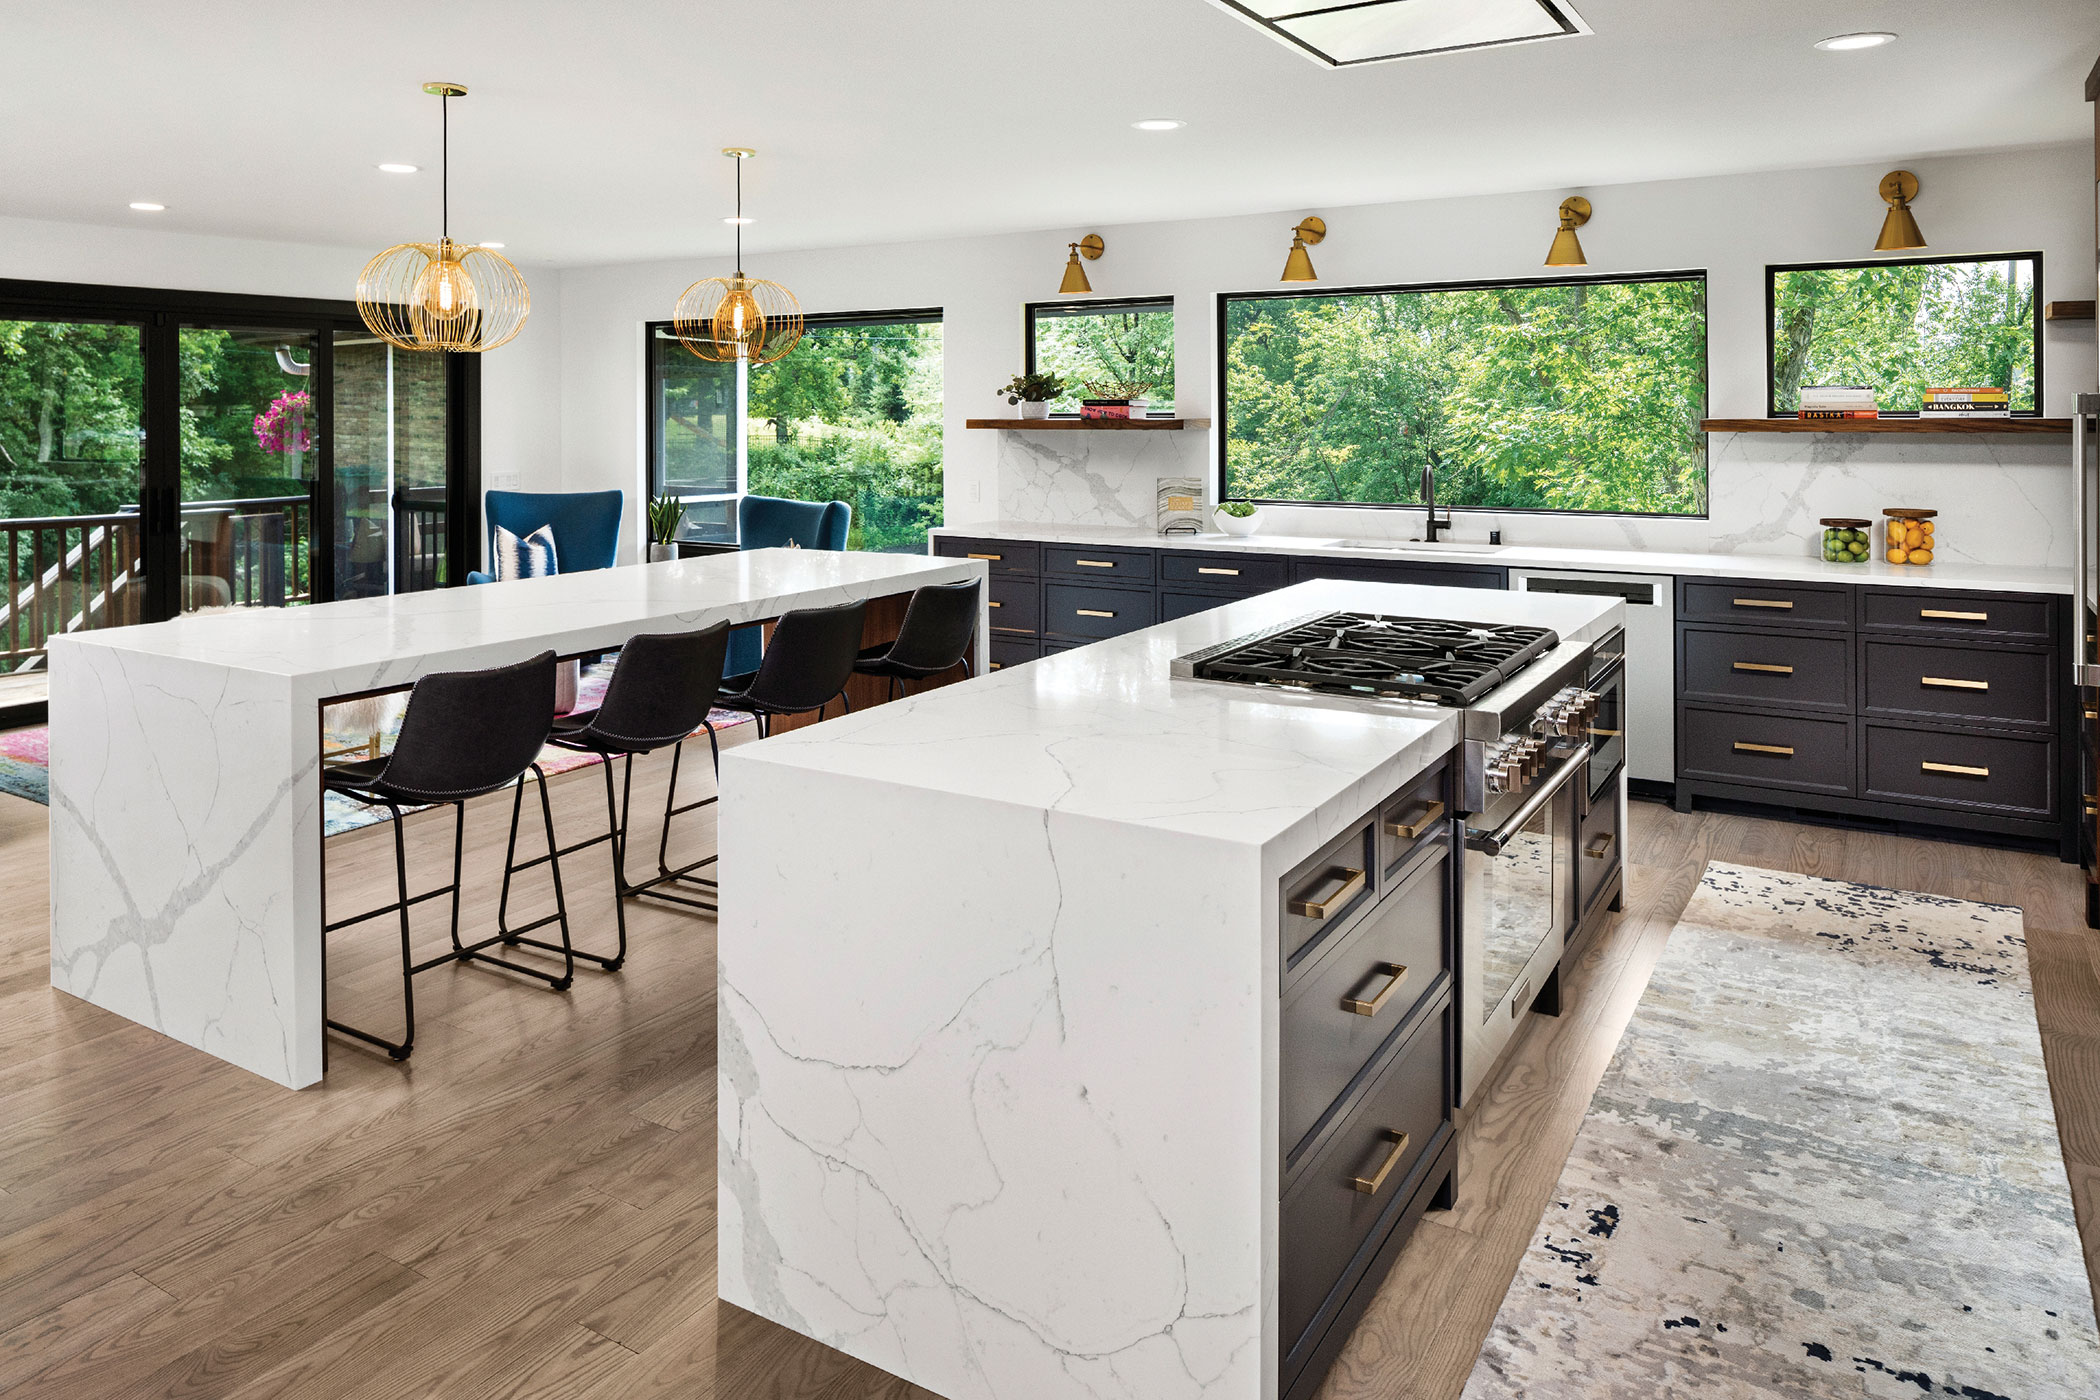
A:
(1237, 517)
(1033, 393)
(666, 514)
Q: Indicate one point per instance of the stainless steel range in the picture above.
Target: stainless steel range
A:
(1529, 701)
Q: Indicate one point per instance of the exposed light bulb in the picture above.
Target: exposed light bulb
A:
(443, 291)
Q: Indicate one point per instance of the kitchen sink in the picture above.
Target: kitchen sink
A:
(1405, 546)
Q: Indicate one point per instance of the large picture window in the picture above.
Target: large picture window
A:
(1547, 394)
(696, 429)
(1901, 328)
(1103, 342)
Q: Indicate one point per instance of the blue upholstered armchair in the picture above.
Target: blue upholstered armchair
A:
(586, 525)
(770, 522)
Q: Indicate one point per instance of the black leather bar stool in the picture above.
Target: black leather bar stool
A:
(934, 637)
(661, 691)
(805, 667)
(464, 734)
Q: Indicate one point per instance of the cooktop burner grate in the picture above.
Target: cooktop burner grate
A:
(1410, 658)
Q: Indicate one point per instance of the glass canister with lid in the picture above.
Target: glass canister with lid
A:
(1847, 541)
(1907, 535)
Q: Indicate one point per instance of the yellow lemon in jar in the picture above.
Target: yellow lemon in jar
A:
(1913, 536)
(1926, 526)
(1921, 556)
(1897, 554)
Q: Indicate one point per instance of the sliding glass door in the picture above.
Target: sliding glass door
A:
(391, 502)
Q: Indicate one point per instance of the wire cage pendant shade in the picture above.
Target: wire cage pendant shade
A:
(724, 319)
(443, 295)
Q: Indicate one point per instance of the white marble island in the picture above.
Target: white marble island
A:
(998, 1009)
(185, 769)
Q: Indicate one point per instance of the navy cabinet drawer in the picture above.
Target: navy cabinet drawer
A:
(1082, 561)
(1236, 573)
(1326, 891)
(1765, 604)
(1000, 556)
(1177, 602)
(1357, 997)
(2024, 617)
(1994, 773)
(1011, 651)
(1397, 571)
(1597, 853)
(1414, 815)
(1075, 610)
(1765, 668)
(1015, 605)
(2010, 686)
(1793, 753)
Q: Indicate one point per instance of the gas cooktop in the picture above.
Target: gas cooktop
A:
(1372, 655)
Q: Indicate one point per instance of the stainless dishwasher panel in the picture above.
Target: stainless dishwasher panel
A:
(1651, 657)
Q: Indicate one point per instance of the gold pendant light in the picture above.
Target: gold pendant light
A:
(1899, 230)
(442, 296)
(738, 318)
(1297, 265)
(1567, 248)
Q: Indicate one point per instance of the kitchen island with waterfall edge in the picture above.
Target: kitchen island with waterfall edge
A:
(1002, 983)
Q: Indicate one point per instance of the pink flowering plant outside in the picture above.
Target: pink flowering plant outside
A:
(282, 426)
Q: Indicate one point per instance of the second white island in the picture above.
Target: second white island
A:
(1005, 1106)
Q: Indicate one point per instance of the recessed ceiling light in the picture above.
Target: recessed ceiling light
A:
(1158, 124)
(147, 206)
(1844, 43)
(488, 245)
(738, 219)
(395, 167)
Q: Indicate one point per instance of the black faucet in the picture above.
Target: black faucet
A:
(1431, 525)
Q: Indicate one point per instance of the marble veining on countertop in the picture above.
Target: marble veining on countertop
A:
(1946, 573)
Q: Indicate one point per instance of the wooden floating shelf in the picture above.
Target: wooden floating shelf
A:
(1088, 425)
(2068, 311)
(1885, 425)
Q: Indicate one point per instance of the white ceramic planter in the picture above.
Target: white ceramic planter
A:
(1035, 410)
(1236, 524)
(662, 553)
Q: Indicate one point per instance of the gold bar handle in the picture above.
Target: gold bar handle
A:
(993, 603)
(1761, 602)
(1606, 733)
(1369, 1184)
(1093, 612)
(1950, 683)
(995, 665)
(1352, 882)
(1095, 563)
(995, 558)
(1953, 616)
(1762, 666)
(1395, 974)
(1781, 749)
(1206, 569)
(1414, 827)
(1601, 847)
(1959, 769)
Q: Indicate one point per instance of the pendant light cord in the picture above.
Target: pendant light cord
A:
(445, 167)
(740, 216)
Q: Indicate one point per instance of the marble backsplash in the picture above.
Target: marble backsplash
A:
(2002, 500)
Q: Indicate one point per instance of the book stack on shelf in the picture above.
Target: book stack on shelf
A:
(1837, 401)
(1967, 403)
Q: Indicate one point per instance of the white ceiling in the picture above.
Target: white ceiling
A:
(592, 131)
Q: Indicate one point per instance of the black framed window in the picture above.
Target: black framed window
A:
(696, 434)
(1106, 341)
(1902, 326)
(1572, 394)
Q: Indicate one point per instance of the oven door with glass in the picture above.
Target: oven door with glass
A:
(1519, 905)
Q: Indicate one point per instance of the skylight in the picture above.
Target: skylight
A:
(1375, 31)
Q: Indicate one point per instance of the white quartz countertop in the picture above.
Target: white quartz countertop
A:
(1105, 731)
(370, 643)
(1944, 573)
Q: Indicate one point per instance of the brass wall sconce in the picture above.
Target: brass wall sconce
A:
(1297, 267)
(1567, 248)
(1075, 283)
(1899, 231)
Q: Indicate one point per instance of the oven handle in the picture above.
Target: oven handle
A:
(1492, 842)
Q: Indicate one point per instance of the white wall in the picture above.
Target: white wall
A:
(521, 399)
(2004, 496)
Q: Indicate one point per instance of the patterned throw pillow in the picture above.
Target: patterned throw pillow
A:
(531, 557)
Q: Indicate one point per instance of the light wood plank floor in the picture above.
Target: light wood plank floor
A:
(527, 1208)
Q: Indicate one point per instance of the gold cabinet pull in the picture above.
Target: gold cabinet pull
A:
(995, 665)
(1952, 616)
(1206, 569)
(1959, 769)
(1394, 973)
(1093, 612)
(1415, 826)
(1950, 683)
(1369, 1184)
(995, 558)
(1601, 847)
(993, 603)
(1761, 602)
(1352, 882)
(1095, 563)
(1606, 733)
(1763, 666)
(1781, 749)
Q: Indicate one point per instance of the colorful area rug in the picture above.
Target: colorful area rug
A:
(1823, 1163)
(25, 754)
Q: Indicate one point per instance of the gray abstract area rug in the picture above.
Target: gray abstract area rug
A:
(1823, 1162)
